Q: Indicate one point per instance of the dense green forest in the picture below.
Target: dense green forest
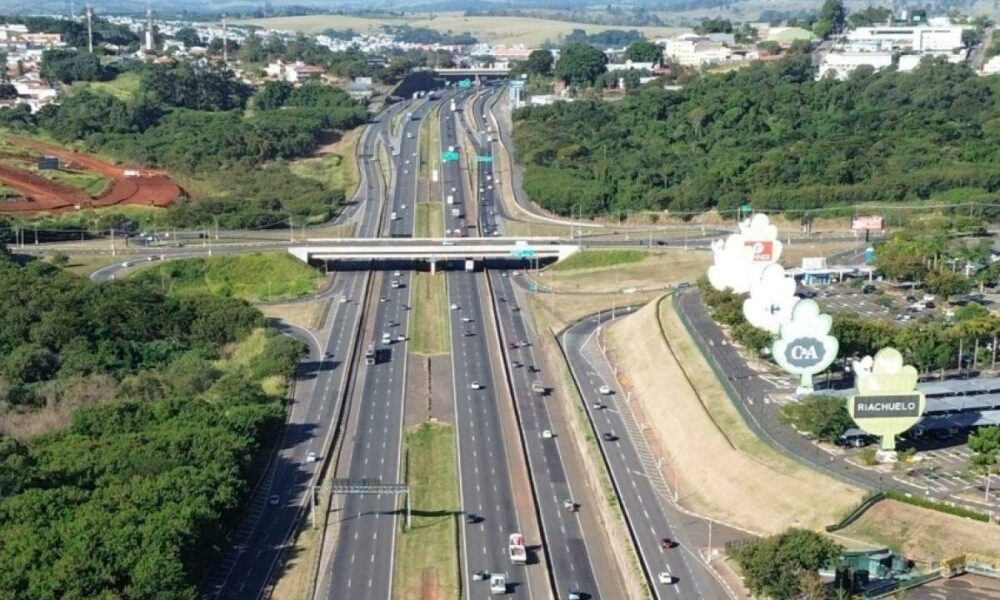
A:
(132, 496)
(772, 135)
(193, 121)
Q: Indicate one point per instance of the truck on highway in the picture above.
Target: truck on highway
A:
(451, 199)
(470, 265)
(130, 173)
(370, 355)
(453, 107)
(538, 388)
(498, 583)
(516, 550)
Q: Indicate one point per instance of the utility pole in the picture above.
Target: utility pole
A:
(90, 29)
(113, 253)
(225, 41)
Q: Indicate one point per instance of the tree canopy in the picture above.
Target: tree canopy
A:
(580, 64)
(135, 496)
(776, 567)
(644, 52)
(769, 134)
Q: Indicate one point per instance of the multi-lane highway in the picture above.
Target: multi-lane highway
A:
(678, 568)
(366, 526)
(565, 542)
(485, 483)
(279, 501)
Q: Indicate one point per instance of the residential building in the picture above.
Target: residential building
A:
(628, 65)
(693, 50)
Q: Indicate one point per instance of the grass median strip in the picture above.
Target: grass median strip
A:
(429, 325)
(427, 553)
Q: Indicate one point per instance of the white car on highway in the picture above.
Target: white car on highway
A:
(454, 307)
(604, 389)
(665, 577)
(476, 385)
(547, 434)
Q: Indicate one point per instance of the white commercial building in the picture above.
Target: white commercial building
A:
(840, 64)
(921, 38)
(693, 50)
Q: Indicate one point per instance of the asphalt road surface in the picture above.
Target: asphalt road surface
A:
(486, 489)
(565, 542)
(277, 505)
(363, 564)
(637, 479)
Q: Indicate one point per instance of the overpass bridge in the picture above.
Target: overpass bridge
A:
(435, 250)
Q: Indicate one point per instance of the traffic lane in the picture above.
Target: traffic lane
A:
(652, 517)
(368, 523)
(485, 473)
(302, 434)
(568, 556)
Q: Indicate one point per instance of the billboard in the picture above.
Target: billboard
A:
(805, 347)
(772, 298)
(739, 259)
(813, 262)
(763, 250)
(869, 223)
(886, 406)
(886, 402)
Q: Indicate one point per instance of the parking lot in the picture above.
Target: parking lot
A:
(965, 587)
(843, 297)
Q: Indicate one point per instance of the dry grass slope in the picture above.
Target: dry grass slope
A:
(725, 470)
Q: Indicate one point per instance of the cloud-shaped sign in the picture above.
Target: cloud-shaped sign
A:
(740, 258)
(771, 300)
(888, 375)
(886, 402)
(805, 346)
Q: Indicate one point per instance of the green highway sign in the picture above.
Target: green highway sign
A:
(464, 84)
(487, 159)
(449, 155)
(523, 252)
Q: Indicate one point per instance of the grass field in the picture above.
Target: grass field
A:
(427, 553)
(921, 534)
(123, 87)
(430, 220)
(91, 183)
(698, 430)
(593, 259)
(655, 271)
(496, 30)
(253, 277)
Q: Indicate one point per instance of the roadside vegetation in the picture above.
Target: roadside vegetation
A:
(593, 259)
(427, 552)
(823, 417)
(193, 122)
(430, 220)
(699, 148)
(252, 277)
(122, 410)
(784, 566)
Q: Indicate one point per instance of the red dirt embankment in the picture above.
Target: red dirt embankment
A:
(151, 188)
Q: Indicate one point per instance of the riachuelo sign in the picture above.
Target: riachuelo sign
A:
(886, 402)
